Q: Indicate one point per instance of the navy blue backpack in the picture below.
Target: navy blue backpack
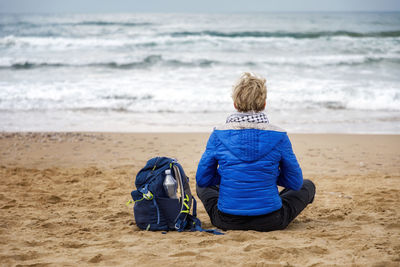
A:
(154, 210)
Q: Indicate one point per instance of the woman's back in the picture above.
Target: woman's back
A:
(248, 156)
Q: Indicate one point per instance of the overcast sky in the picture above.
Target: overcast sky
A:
(196, 6)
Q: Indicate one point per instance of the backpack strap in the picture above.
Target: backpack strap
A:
(185, 220)
(180, 221)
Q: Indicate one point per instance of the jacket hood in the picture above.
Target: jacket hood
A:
(250, 144)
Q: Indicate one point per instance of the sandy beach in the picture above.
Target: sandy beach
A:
(63, 195)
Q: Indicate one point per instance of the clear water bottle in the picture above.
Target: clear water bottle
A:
(170, 184)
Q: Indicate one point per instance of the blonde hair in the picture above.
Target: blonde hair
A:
(249, 93)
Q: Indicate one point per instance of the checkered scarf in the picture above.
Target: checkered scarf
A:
(254, 117)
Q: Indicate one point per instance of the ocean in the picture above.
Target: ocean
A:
(326, 72)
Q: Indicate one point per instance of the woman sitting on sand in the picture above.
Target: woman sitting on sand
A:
(244, 161)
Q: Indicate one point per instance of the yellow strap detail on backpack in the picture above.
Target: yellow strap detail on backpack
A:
(185, 203)
(131, 202)
(148, 195)
(186, 197)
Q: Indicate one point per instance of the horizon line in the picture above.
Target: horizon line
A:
(197, 12)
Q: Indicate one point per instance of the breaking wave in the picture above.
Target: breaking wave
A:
(296, 35)
(158, 60)
(147, 62)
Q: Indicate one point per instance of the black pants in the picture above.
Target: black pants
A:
(293, 202)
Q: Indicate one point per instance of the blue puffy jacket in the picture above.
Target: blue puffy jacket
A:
(249, 163)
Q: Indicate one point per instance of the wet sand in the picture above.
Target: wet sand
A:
(63, 195)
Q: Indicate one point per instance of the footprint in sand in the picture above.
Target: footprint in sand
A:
(253, 247)
(122, 214)
(96, 259)
(184, 253)
(393, 226)
(72, 245)
(273, 253)
(26, 256)
(49, 225)
(208, 243)
(242, 237)
(53, 199)
(10, 204)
